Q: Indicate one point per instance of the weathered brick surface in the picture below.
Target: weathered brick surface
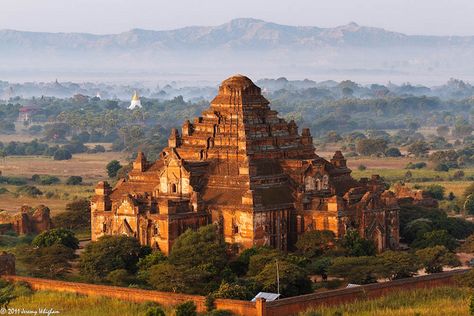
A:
(250, 172)
(286, 306)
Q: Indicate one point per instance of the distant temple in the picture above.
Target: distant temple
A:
(252, 174)
(135, 103)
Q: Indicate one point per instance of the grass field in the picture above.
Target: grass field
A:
(453, 301)
(91, 167)
(71, 304)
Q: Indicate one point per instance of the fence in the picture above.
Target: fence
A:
(286, 306)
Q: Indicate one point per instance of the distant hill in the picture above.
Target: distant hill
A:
(242, 45)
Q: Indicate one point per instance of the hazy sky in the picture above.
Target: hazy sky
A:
(437, 17)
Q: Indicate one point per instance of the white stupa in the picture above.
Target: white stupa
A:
(135, 103)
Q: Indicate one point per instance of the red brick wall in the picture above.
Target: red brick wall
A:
(286, 306)
(293, 305)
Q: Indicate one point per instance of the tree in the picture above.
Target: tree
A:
(112, 168)
(436, 238)
(398, 264)
(56, 236)
(358, 270)
(233, 291)
(145, 263)
(293, 279)
(468, 245)
(203, 255)
(199, 248)
(315, 243)
(52, 261)
(119, 277)
(393, 152)
(168, 278)
(320, 267)
(443, 130)
(62, 154)
(436, 191)
(369, 147)
(259, 260)
(110, 253)
(434, 258)
(418, 148)
(357, 246)
(76, 217)
(469, 204)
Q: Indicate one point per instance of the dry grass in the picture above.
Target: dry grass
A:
(91, 167)
(88, 166)
(430, 302)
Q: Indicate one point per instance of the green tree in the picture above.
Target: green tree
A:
(393, 152)
(168, 278)
(53, 261)
(315, 243)
(358, 270)
(436, 191)
(418, 148)
(145, 263)
(62, 154)
(56, 236)
(76, 217)
(112, 168)
(202, 247)
(436, 238)
(74, 180)
(110, 253)
(321, 266)
(468, 245)
(434, 258)
(398, 264)
(357, 246)
(233, 291)
(119, 277)
(293, 279)
(469, 204)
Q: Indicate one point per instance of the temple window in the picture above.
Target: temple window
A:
(309, 183)
(156, 231)
(174, 188)
(325, 182)
(104, 227)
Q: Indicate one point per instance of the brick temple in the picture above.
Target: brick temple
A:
(250, 172)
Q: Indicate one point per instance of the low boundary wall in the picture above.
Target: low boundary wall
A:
(285, 306)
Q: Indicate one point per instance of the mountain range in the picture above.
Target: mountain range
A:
(256, 47)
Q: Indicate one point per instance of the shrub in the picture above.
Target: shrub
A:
(416, 165)
(436, 191)
(119, 277)
(45, 179)
(155, 311)
(62, 154)
(56, 236)
(393, 152)
(29, 190)
(112, 168)
(361, 167)
(186, 309)
(442, 167)
(74, 180)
